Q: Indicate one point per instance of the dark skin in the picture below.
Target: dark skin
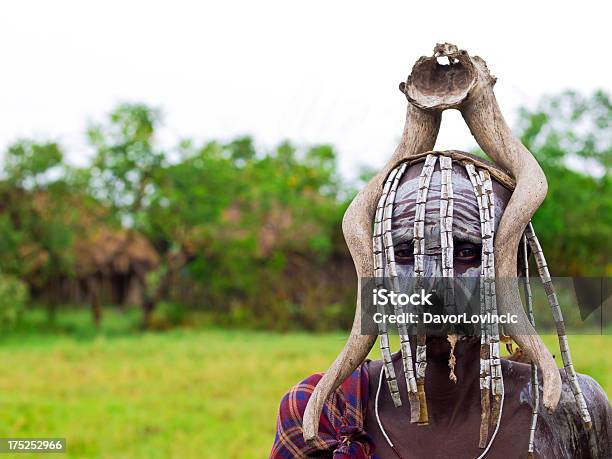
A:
(454, 413)
(454, 408)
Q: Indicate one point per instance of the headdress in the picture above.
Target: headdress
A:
(465, 84)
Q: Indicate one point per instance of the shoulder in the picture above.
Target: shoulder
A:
(341, 421)
(597, 404)
(564, 429)
(595, 397)
(568, 426)
(592, 391)
(288, 441)
(293, 404)
(520, 374)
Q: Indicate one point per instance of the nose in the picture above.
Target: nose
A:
(432, 265)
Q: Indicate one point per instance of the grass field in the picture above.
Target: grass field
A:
(120, 393)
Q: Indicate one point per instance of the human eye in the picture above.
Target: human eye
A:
(404, 253)
(467, 252)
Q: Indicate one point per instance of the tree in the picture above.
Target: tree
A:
(122, 176)
(126, 160)
(235, 220)
(36, 217)
(570, 136)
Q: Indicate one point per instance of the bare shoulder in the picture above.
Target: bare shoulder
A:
(591, 390)
(563, 430)
(597, 402)
(566, 428)
(596, 398)
(519, 374)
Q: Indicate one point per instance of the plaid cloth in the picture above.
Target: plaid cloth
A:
(341, 434)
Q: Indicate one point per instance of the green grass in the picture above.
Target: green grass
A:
(120, 393)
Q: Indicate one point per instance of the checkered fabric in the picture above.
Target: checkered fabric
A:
(341, 434)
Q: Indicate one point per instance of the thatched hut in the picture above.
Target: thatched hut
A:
(117, 261)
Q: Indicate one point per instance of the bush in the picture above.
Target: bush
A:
(13, 299)
(168, 315)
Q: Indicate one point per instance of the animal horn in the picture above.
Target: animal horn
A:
(430, 89)
(467, 85)
(420, 133)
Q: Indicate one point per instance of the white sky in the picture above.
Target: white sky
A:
(313, 71)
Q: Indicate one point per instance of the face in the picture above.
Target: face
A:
(466, 223)
(466, 240)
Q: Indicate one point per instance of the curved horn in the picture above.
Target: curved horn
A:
(420, 133)
(467, 85)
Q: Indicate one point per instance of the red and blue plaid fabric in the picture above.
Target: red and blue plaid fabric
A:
(341, 434)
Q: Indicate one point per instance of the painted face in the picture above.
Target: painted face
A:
(466, 223)
(467, 240)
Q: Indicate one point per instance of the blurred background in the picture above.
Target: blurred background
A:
(172, 183)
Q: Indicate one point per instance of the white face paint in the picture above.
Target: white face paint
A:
(466, 221)
(466, 231)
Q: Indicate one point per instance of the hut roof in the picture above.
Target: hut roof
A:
(114, 251)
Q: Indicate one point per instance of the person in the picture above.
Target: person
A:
(431, 214)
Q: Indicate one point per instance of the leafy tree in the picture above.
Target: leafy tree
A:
(571, 137)
(28, 164)
(13, 298)
(126, 160)
(36, 216)
(237, 219)
(572, 130)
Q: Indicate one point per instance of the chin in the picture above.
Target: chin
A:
(439, 346)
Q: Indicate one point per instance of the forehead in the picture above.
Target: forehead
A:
(466, 217)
